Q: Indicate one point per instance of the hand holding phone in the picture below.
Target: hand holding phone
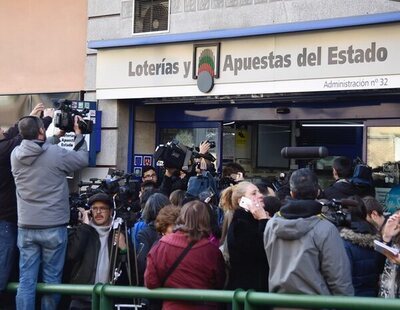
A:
(85, 215)
(246, 203)
(257, 211)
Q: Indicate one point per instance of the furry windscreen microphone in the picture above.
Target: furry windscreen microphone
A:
(304, 152)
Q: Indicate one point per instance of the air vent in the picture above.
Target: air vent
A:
(150, 16)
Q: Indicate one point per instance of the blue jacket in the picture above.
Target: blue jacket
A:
(366, 264)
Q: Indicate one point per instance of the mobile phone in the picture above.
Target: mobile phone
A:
(245, 203)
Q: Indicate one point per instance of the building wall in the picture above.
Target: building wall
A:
(42, 46)
(112, 19)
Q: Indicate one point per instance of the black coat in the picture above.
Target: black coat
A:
(8, 199)
(147, 237)
(82, 253)
(247, 258)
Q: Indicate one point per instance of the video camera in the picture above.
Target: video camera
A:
(119, 186)
(176, 155)
(125, 192)
(64, 119)
(76, 201)
(337, 211)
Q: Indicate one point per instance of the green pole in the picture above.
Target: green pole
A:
(236, 305)
(106, 302)
(247, 301)
(96, 296)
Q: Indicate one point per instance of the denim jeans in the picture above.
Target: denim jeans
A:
(8, 250)
(45, 247)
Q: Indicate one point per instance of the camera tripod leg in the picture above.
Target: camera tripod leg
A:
(113, 255)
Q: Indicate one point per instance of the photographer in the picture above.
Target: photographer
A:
(40, 169)
(175, 178)
(149, 174)
(89, 246)
(8, 211)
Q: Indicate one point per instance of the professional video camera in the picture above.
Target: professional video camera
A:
(337, 211)
(80, 199)
(76, 201)
(125, 193)
(176, 155)
(119, 186)
(64, 119)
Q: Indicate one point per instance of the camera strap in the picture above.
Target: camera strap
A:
(79, 144)
(177, 262)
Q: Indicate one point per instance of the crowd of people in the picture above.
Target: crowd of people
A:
(192, 231)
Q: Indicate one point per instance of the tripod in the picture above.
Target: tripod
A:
(116, 271)
(122, 259)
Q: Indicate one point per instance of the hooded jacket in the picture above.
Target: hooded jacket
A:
(305, 252)
(366, 264)
(40, 171)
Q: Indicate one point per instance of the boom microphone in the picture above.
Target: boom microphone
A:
(304, 152)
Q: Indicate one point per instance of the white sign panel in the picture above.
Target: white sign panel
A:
(342, 59)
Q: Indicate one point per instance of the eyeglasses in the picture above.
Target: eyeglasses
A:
(150, 176)
(100, 209)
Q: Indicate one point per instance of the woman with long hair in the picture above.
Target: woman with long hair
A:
(247, 259)
(186, 258)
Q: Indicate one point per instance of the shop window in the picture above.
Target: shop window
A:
(150, 16)
(271, 139)
(383, 155)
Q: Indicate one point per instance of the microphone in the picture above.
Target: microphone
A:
(304, 152)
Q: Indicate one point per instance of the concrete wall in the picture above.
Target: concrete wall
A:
(111, 19)
(42, 46)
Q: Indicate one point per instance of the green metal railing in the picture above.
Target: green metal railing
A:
(103, 295)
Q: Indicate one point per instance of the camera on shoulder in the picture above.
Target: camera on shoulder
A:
(64, 117)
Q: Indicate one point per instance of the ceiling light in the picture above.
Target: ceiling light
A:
(332, 125)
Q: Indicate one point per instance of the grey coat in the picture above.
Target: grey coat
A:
(306, 255)
(40, 172)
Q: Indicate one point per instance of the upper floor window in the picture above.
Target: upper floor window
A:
(150, 16)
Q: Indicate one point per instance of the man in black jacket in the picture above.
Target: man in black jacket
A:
(8, 202)
(89, 246)
(342, 169)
